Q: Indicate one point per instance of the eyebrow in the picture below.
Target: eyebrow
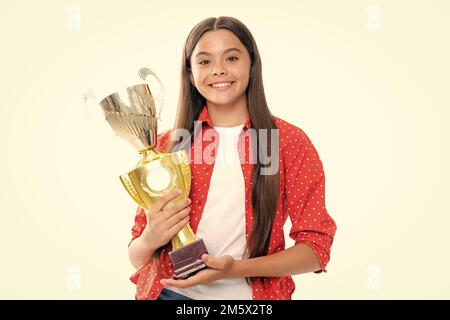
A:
(226, 51)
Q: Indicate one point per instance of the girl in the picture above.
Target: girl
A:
(240, 196)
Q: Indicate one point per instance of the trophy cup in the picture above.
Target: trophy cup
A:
(132, 116)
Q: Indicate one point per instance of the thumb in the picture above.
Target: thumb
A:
(207, 259)
(212, 262)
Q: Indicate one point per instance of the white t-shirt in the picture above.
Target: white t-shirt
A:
(222, 226)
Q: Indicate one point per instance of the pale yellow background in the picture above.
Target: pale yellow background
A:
(368, 81)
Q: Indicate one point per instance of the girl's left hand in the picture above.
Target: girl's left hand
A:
(218, 268)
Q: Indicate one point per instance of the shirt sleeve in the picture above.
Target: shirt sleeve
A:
(305, 198)
(140, 221)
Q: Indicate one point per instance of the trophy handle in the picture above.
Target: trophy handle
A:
(144, 73)
(126, 181)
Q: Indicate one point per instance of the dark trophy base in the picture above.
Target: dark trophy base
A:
(187, 260)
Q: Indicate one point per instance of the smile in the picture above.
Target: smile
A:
(222, 85)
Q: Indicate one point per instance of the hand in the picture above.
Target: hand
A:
(164, 225)
(218, 268)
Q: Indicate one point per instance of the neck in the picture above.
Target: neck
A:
(228, 115)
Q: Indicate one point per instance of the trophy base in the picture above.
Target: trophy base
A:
(187, 260)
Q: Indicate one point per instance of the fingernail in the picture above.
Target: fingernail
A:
(188, 200)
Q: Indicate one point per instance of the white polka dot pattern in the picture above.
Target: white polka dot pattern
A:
(301, 198)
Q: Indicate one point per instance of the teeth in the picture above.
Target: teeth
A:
(221, 85)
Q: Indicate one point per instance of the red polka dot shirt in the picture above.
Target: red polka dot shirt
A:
(301, 198)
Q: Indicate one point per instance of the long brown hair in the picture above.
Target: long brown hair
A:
(191, 103)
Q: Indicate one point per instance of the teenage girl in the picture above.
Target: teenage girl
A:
(250, 172)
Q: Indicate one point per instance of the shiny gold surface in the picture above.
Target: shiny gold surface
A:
(132, 116)
(136, 182)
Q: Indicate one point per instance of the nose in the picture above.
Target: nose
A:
(218, 69)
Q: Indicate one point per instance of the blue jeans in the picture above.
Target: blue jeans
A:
(167, 294)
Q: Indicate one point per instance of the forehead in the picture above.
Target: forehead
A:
(217, 41)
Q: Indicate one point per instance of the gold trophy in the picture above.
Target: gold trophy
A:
(132, 116)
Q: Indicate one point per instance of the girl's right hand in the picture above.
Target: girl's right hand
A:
(163, 225)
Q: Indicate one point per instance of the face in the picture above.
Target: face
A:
(220, 67)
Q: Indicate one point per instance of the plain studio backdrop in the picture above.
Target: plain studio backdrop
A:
(368, 81)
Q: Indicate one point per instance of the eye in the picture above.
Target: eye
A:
(203, 62)
(233, 58)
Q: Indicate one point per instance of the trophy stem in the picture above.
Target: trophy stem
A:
(183, 237)
(148, 155)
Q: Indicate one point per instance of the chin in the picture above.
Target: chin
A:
(224, 100)
(221, 101)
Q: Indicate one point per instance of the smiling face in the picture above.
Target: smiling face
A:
(220, 68)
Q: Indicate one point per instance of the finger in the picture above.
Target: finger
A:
(176, 283)
(178, 217)
(177, 227)
(162, 201)
(206, 258)
(178, 206)
(212, 262)
(182, 283)
(203, 276)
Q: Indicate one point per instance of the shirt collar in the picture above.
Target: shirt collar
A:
(204, 117)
